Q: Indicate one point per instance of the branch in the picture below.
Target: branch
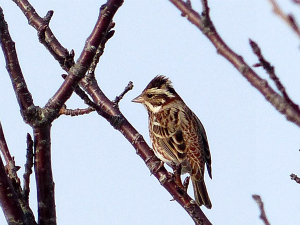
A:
(271, 71)
(10, 162)
(208, 29)
(260, 204)
(12, 65)
(43, 174)
(289, 18)
(127, 88)
(77, 72)
(295, 178)
(28, 168)
(60, 53)
(75, 112)
(9, 200)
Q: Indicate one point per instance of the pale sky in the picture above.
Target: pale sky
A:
(98, 177)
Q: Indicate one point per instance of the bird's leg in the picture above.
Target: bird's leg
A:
(186, 183)
(176, 175)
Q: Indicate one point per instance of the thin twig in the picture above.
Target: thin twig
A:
(127, 89)
(100, 49)
(75, 112)
(295, 178)
(260, 204)
(288, 18)
(28, 168)
(271, 71)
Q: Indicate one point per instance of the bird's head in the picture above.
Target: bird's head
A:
(158, 93)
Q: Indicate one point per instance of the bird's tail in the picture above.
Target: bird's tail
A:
(200, 193)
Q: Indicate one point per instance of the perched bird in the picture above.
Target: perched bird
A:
(177, 135)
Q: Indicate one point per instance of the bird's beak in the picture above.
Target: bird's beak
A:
(138, 99)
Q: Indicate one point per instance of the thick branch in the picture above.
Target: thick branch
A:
(43, 174)
(206, 26)
(12, 65)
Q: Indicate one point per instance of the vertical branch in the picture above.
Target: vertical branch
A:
(43, 174)
(28, 168)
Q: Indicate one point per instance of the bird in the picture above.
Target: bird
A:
(177, 135)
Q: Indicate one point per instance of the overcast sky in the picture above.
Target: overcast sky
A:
(98, 177)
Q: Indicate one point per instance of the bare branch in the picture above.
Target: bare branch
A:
(12, 65)
(260, 204)
(78, 71)
(60, 53)
(271, 71)
(43, 174)
(127, 88)
(289, 18)
(208, 29)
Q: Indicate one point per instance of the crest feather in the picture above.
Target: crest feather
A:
(161, 82)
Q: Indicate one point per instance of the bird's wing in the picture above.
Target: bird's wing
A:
(169, 134)
(203, 142)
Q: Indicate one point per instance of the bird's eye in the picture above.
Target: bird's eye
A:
(149, 95)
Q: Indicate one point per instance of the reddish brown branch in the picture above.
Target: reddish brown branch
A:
(43, 174)
(288, 18)
(260, 204)
(206, 26)
(12, 65)
(78, 71)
